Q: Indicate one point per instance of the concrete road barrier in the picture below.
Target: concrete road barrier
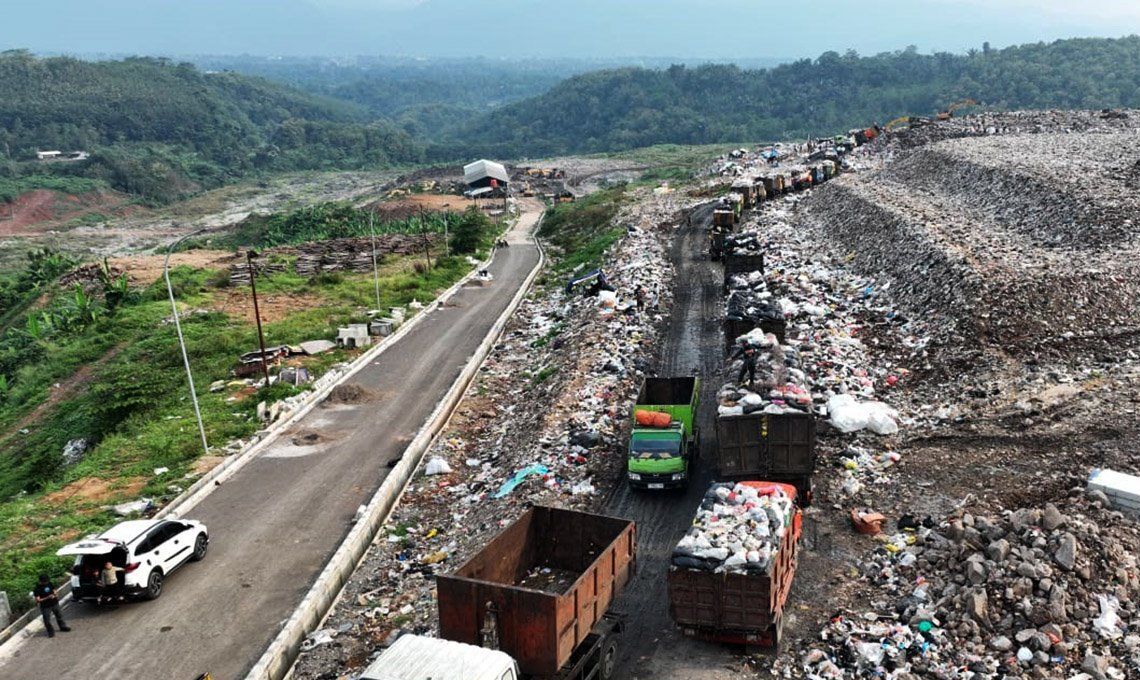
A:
(278, 659)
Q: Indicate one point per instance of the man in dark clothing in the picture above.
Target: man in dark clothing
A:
(748, 354)
(49, 604)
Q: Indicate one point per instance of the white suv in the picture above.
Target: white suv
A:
(146, 549)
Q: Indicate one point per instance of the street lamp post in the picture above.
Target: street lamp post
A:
(249, 257)
(182, 341)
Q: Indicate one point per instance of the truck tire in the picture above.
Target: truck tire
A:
(608, 661)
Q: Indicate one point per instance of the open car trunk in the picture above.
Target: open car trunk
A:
(91, 556)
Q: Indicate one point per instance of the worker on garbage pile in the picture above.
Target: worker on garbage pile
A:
(109, 583)
(49, 604)
(748, 354)
(640, 294)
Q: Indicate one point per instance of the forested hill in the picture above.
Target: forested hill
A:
(186, 127)
(627, 108)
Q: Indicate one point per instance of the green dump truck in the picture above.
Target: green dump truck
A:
(662, 449)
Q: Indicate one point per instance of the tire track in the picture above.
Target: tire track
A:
(652, 645)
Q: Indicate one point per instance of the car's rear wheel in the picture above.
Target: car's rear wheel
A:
(201, 544)
(154, 585)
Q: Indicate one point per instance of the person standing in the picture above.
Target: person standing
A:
(49, 604)
(109, 583)
(747, 353)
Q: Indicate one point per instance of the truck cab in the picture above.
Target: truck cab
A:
(663, 440)
(415, 657)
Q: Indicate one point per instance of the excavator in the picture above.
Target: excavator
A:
(909, 121)
(949, 112)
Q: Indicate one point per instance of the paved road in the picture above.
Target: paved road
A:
(277, 521)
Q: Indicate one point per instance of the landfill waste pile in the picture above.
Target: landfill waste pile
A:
(737, 529)
(990, 124)
(780, 383)
(827, 309)
(1001, 238)
(1037, 592)
(539, 424)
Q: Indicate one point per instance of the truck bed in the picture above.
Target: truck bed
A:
(736, 608)
(539, 617)
(776, 447)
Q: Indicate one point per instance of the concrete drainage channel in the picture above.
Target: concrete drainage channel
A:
(277, 661)
(29, 623)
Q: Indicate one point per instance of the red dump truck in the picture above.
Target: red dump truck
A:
(538, 594)
(739, 606)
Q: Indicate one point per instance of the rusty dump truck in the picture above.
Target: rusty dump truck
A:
(532, 603)
(779, 447)
(742, 604)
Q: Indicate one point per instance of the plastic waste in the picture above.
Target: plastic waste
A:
(519, 477)
(437, 466)
(850, 415)
(1108, 623)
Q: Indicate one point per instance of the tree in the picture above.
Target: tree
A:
(470, 231)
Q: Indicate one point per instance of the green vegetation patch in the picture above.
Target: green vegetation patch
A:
(583, 230)
(114, 378)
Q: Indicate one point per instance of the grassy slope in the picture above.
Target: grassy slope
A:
(133, 359)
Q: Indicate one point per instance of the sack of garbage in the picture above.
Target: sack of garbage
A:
(850, 415)
(652, 418)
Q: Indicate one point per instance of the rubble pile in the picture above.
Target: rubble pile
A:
(540, 424)
(1021, 241)
(1037, 592)
(332, 255)
(737, 529)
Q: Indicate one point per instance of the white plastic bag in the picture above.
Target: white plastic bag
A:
(1108, 623)
(849, 415)
(437, 466)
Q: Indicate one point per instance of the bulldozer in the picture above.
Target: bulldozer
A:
(948, 113)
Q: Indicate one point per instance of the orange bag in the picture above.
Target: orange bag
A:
(652, 418)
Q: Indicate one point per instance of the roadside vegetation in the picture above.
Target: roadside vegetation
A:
(582, 231)
(95, 370)
(330, 220)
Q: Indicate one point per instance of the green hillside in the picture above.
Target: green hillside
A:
(160, 129)
(634, 107)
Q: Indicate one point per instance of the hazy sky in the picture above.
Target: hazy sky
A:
(721, 29)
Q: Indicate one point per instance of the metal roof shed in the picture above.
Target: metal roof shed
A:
(481, 172)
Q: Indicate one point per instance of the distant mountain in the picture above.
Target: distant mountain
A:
(631, 107)
(157, 128)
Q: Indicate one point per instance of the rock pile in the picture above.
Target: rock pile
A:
(1038, 592)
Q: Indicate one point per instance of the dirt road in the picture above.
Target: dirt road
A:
(275, 523)
(693, 345)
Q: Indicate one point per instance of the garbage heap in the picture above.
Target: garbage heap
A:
(538, 425)
(780, 385)
(829, 313)
(1039, 592)
(750, 299)
(737, 529)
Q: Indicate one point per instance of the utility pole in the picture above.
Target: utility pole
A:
(375, 269)
(249, 256)
(423, 234)
(182, 341)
